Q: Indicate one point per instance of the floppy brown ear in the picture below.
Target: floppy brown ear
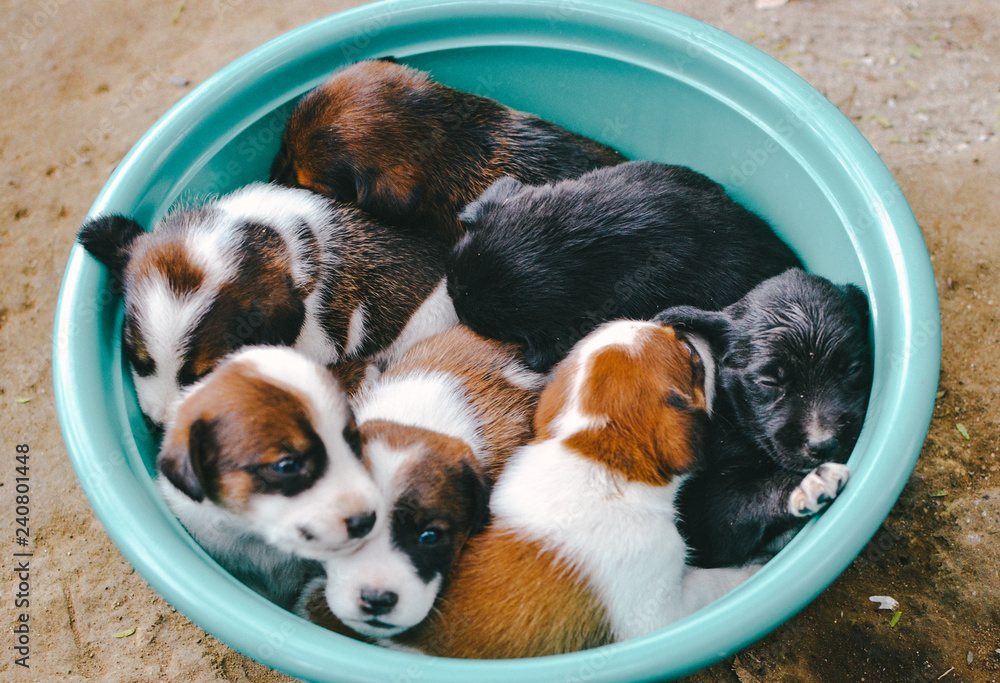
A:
(109, 239)
(182, 460)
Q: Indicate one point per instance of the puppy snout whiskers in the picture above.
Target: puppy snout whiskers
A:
(377, 603)
(358, 526)
(824, 450)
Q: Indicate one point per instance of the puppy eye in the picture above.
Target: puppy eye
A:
(353, 438)
(852, 369)
(429, 536)
(287, 466)
(777, 377)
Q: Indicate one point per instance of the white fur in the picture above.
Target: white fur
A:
(817, 489)
(355, 331)
(380, 566)
(435, 314)
(431, 400)
(166, 323)
(618, 534)
(266, 544)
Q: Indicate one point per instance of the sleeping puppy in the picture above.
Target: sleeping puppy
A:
(265, 265)
(582, 549)
(795, 372)
(262, 464)
(413, 152)
(544, 265)
(436, 429)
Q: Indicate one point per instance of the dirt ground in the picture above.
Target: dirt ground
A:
(80, 82)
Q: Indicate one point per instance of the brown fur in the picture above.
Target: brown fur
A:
(413, 152)
(640, 389)
(512, 597)
(485, 612)
(505, 409)
(250, 422)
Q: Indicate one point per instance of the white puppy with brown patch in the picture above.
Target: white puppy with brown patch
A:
(436, 430)
(262, 464)
(265, 265)
(583, 548)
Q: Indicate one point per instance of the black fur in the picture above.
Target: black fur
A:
(792, 352)
(544, 265)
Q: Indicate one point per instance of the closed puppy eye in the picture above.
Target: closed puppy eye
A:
(776, 377)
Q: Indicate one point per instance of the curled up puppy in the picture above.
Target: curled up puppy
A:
(582, 548)
(262, 465)
(542, 266)
(436, 429)
(265, 265)
(795, 373)
(413, 152)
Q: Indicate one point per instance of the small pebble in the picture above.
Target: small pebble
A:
(179, 81)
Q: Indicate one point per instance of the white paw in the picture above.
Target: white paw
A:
(817, 489)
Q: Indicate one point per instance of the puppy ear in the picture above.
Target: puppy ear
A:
(182, 463)
(478, 489)
(714, 326)
(109, 240)
(502, 188)
(858, 301)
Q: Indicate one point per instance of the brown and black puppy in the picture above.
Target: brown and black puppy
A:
(266, 265)
(413, 152)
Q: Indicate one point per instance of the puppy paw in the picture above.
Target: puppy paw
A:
(817, 489)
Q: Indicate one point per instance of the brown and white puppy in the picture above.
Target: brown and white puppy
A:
(582, 549)
(413, 152)
(265, 265)
(436, 429)
(262, 464)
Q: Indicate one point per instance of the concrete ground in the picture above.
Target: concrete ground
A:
(80, 82)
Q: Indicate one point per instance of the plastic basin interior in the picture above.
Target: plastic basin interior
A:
(653, 84)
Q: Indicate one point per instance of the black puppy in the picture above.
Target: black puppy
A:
(544, 265)
(793, 379)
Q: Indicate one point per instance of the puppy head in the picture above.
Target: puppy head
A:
(632, 395)
(437, 496)
(269, 437)
(796, 364)
(192, 296)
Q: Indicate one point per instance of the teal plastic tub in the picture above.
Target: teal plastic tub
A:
(651, 83)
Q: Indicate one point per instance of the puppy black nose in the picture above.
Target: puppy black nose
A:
(377, 603)
(825, 450)
(359, 525)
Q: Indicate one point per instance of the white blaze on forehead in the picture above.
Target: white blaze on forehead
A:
(324, 398)
(619, 333)
(285, 210)
(165, 322)
(435, 401)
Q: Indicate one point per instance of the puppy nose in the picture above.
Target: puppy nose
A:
(825, 450)
(359, 525)
(376, 602)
